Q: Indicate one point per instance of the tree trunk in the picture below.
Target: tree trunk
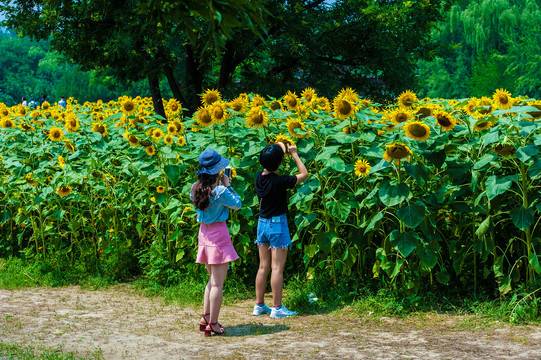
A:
(154, 85)
(194, 80)
(174, 85)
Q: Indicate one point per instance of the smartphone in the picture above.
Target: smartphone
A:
(227, 172)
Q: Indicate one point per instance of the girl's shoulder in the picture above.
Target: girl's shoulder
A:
(217, 191)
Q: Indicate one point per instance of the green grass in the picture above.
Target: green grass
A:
(20, 352)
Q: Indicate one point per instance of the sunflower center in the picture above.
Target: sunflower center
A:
(257, 118)
(397, 151)
(173, 107)
(275, 105)
(444, 121)
(423, 112)
(292, 102)
(128, 106)
(407, 101)
(503, 99)
(344, 107)
(100, 129)
(401, 117)
(205, 118)
(417, 130)
(218, 113)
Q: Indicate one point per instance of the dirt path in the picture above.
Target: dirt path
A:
(119, 324)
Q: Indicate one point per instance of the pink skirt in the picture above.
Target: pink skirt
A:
(215, 245)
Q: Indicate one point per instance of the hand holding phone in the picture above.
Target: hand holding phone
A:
(227, 172)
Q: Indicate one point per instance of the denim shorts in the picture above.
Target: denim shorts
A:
(273, 231)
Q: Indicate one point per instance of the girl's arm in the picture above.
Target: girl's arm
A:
(303, 173)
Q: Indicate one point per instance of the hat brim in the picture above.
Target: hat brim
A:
(216, 168)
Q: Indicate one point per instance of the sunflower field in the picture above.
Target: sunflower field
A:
(415, 193)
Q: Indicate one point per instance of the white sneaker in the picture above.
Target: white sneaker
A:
(261, 310)
(281, 312)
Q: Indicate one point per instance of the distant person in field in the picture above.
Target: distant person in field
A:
(43, 99)
(213, 196)
(23, 101)
(62, 102)
(32, 105)
(273, 238)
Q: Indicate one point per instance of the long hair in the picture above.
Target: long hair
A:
(202, 190)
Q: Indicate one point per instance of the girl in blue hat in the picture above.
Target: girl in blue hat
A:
(213, 196)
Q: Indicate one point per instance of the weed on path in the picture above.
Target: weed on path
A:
(118, 323)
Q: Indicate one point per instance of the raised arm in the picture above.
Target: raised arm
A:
(303, 173)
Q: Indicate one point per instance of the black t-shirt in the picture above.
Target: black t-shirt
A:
(271, 191)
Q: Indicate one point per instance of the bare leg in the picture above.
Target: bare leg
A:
(262, 272)
(206, 303)
(217, 278)
(279, 256)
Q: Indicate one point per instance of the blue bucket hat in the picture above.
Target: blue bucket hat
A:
(211, 162)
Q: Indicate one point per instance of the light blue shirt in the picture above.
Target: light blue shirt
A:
(221, 201)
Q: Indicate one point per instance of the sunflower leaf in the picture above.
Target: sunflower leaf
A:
(412, 215)
(497, 185)
(405, 242)
(527, 152)
(173, 173)
(392, 195)
(522, 218)
(534, 262)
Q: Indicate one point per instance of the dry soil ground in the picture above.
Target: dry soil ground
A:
(120, 324)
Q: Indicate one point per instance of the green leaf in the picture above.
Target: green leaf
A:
(497, 185)
(405, 242)
(522, 218)
(484, 161)
(373, 221)
(336, 163)
(327, 152)
(173, 173)
(325, 240)
(535, 169)
(428, 257)
(412, 215)
(483, 228)
(443, 276)
(339, 209)
(527, 152)
(392, 195)
(534, 262)
(505, 286)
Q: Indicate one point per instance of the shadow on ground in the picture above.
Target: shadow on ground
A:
(254, 329)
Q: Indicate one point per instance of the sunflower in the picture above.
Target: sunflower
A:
(203, 116)
(157, 134)
(256, 117)
(469, 108)
(239, 104)
(257, 100)
(160, 189)
(276, 105)
(322, 103)
(362, 168)
(4, 111)
(7, 123)
(26, 127)
(292, 125)
(174, 106)
(445, 120)
(56, 134)
(502, 99)
(61, 161)
(424, 111)
(21, 110)
(349, 94)
(309, 94)
(181, 141)
(128, 106)
(407, 99)
(70, 146)
(505, 149)
(483, 123)
(132, 139)
(72, 123)
(218, 112)
(29, 180)
(210, 96)
(397, 152)
(150, 150)
(486, 104)
(100, 128)
(399, 116)
(286, 140)
(344, 108)
(291, 101)
(417, 130)
(536, 104)
(45, 105)
(171, 128)
(179, 126)
(168, 139)
(64, 190)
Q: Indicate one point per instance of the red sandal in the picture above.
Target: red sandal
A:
(204, 322)
(210, 329)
